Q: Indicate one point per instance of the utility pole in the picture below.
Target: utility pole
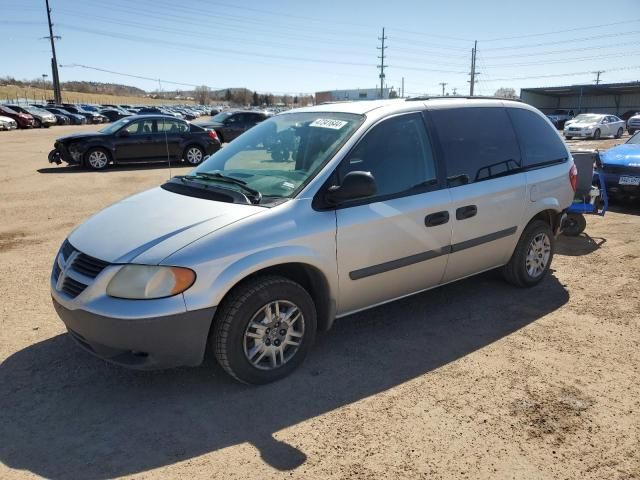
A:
(473, 73)
(57, 94)
(444, 84)
(402, 92)
(598, 72)
(382, 65)
(455, 91)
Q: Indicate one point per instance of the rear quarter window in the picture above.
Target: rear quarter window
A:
(539, 141)
(478, 143)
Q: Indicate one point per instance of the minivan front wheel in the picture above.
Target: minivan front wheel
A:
(264, 329)
(532, 257)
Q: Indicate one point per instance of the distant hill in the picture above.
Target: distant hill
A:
(80, 87)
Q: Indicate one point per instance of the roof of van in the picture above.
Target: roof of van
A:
(366, 106)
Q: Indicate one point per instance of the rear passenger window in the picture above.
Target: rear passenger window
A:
(539, 141)
(398, 154)
(477, 143)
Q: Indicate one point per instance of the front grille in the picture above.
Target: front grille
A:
(88, 266)
(72, 287)
(574, 129)
(83, 264)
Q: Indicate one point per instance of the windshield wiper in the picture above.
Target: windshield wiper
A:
(217, 176)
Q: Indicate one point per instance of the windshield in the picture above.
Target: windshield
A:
(115, 126)
(635, 140)
(279, 155)
(587, 119)
(221, 117)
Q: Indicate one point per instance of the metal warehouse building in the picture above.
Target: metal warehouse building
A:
(613, 98)
(351, 95)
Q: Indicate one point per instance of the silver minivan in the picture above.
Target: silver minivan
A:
(312, 215)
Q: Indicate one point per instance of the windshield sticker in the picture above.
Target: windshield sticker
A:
(288, 185)
(328, 123)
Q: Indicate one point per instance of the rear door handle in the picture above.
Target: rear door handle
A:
(467, 211)
(435, 219)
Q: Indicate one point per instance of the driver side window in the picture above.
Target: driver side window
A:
(397, 152)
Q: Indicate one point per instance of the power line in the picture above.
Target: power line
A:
(160, 81)
(591, 27)
(635, 67)
(572, 40)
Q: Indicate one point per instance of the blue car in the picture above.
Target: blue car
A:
(621, 168)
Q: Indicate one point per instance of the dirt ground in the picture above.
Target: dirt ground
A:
(473, 380)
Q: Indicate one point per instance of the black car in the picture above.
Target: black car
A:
(92, 117)
(229, 125)
(139, 138)
(114, 114)
(74, 118)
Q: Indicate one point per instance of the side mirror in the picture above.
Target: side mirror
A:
(123, 133)
(355, 185)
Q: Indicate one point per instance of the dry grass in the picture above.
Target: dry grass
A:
(10, 93)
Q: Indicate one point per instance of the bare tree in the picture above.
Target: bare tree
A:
(505, 93)
(201, 95)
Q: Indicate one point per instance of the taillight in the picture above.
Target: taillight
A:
(573, 177)
(212, 134)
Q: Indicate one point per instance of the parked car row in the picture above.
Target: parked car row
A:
(39, 115)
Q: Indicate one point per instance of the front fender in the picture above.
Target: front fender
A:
(215, 287)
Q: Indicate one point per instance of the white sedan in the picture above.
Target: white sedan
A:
(594, 125)
(7, 123)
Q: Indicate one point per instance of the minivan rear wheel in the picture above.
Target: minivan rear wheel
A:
(264, 329)
(532, 257)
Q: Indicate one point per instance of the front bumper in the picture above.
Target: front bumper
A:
(145, 343)
(581, 134)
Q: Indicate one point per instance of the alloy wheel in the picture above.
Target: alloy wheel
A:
(538, 255)
(98, 159)
(274, 335)
(194, 155)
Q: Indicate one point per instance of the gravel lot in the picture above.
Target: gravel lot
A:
(473, 380)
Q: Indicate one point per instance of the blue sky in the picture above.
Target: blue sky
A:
(300, 46)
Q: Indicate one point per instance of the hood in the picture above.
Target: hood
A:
(625, 155)
(76, 136)
(150, 226)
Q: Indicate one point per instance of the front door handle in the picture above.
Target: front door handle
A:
(467, 211)
(438, 218)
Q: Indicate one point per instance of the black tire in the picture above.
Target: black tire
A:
(568, 138)
(37, 123)
(92, 165)
(620, 132)
(196, 159)
(239, 308)
(596, 134)
(515, 272)
(574, 225)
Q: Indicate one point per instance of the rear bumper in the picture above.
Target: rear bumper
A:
(143, 344)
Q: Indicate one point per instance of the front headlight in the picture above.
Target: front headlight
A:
(144, 282)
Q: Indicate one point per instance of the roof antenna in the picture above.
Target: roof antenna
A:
(166, 140)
